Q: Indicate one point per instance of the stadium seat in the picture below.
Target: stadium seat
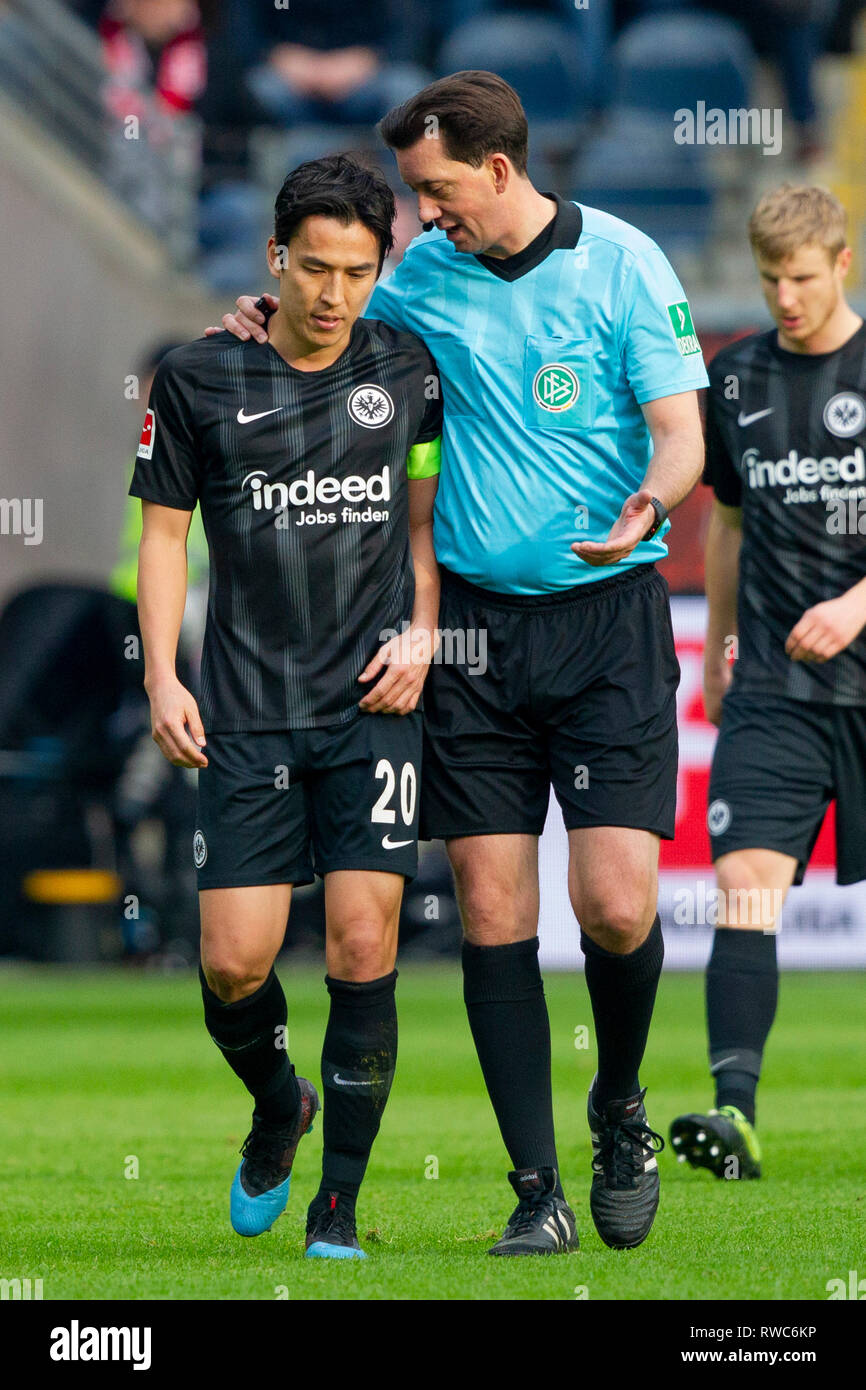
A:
(633, 169)
(541, 60)
(665, 62)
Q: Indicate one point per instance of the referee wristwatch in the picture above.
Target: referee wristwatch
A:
(661, 517)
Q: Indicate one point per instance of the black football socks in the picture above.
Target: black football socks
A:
(622, 991)
(504, 997)
(359, 1055)
(251, 1035)
(742, 985)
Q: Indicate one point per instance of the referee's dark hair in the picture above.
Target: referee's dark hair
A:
(341, 187)
(475, 113)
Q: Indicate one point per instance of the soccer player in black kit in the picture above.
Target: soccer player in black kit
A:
(786, 575)
(314, 458)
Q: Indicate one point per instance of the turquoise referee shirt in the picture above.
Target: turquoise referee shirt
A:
(545, 360)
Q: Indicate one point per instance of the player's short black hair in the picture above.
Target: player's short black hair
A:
(337, 186)
(475, 113)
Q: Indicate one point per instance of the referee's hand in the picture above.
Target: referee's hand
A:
(176, 725)
(248, 322)
(632, 524)
(405, 661)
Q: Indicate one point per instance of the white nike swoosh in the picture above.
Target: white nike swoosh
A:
(338, 1081)
(388, 843)
(248, 419)
(723, 1062)
(757, 415)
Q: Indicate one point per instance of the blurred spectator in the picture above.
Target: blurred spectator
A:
(793, 34)
(324, 60)
(155, 55)
(311, 67)
(153, 45)
(159, 54)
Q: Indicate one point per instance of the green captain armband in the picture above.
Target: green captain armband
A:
(425, 460)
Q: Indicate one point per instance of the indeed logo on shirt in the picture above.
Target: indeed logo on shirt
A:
(306, 491)
(794, 470)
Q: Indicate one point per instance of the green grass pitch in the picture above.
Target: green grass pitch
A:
(106, 1073)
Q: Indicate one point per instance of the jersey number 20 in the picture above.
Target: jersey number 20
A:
(382, 812)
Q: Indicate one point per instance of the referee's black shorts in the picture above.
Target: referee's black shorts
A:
(777, 765)
(576, 689)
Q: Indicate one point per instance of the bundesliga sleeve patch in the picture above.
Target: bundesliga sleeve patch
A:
(148, 430)
(684, 330)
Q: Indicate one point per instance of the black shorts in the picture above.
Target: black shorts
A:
(575, 689)
(777, 765)
(281, 807)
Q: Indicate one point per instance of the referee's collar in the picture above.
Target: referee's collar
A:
(561, 233)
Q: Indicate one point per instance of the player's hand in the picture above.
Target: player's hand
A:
(407, 658)
(248, 322)
(716, 682)
(176, 724)
(632, 524)
(826, 629)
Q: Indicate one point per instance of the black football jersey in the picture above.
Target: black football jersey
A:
(786, 441)
(302, 482)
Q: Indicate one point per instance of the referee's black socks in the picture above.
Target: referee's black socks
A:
(251, 1035)
(507, 1011)
(359, 1055)
(742, 992)
(622, 991)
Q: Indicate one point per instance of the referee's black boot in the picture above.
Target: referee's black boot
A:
(624, 1196)
(541, 1223)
